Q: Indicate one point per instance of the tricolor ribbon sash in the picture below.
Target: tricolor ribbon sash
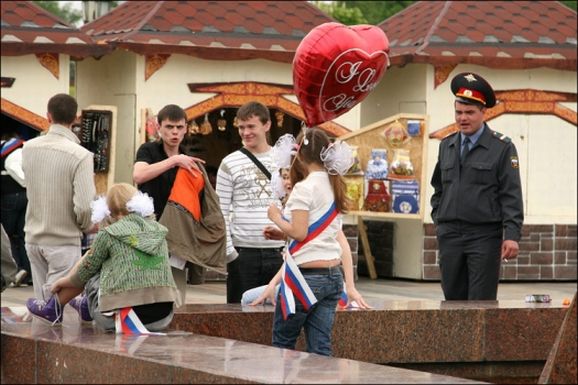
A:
(343, 299)
(127, 322)
(293, 283)
(10, 146)
(315, 229)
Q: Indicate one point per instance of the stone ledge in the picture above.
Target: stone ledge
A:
(403, 332)
(33, 352)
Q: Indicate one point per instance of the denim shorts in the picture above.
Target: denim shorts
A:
(327, 286)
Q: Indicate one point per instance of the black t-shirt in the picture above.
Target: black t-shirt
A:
(160, 187)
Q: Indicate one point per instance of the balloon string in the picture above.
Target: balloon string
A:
(304, 129)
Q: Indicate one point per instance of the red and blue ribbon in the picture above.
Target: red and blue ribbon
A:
(293, 284)
(127, 322)
(315, 229)
(10, 146)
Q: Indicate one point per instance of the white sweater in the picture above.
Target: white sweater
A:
(245, 195)
(60, 187)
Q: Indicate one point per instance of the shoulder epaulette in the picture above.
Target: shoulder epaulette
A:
(502, 137)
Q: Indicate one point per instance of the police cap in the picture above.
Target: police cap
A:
(471, 88)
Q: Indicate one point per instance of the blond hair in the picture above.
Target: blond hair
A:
(117, 197)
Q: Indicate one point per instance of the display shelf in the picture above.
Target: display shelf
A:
(373, 137)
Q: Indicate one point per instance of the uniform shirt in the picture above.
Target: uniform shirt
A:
(244, 196)
(485, 189)
(158, 188)
(315, 195)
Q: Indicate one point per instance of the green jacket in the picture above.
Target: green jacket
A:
(132, 258)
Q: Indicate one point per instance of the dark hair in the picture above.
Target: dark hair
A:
(470, 103)
(62, 108)
(171, 112)
(310, 153)
(247, 110)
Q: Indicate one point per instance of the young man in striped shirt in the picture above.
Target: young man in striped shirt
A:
(245, 194)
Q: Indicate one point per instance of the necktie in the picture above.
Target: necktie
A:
(465, 149)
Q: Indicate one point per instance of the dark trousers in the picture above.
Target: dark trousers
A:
(252, 268)
(13, 215)
(469, 260)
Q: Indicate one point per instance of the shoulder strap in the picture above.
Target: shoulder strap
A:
(256, 161)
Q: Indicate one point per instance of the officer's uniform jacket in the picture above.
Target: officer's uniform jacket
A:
(485, 189)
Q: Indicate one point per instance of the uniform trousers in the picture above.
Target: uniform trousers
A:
(469, 260)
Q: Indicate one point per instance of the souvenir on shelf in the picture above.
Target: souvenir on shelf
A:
(377, 165)
(405, 196)
(356, 167)
(396, 134)
(354, 192)
(401, 166)
(414, 127)
(377, 198)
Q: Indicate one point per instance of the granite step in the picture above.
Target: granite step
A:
(34, 352)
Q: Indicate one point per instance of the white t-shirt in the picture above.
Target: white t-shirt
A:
(315, 194)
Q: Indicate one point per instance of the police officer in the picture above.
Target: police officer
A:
(477, 201)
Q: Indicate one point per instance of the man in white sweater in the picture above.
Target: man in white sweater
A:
(60, 187)
(245, 194)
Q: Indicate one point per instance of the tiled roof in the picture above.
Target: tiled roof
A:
(27, 28)
(271, 29)
(514, 34)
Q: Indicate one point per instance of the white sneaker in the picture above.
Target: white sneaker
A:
(19, 277)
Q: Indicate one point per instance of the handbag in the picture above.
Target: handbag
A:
(202, 241)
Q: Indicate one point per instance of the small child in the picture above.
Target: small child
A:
(317, 249)
(127, 266)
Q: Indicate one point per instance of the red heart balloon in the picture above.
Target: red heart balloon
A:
(336, 66)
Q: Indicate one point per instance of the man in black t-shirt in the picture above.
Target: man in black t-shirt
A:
(155, 168)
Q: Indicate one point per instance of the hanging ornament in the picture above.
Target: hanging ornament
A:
(235, 122)
(222, 122)
(193, 127)
(206, 127)
(279, 115)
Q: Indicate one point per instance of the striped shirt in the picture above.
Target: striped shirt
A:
(245, 195)
(60, 187)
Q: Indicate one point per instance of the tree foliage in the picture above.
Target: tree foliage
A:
(65, 12)
(570, 4)
(362, 12)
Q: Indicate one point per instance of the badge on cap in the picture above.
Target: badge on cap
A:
(470, 78)
(514, 161)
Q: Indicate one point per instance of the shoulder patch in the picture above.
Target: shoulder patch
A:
(502, 137)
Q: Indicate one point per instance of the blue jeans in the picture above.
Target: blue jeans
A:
(13, 215)
(318, 321)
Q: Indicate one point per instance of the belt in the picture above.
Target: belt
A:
(320, 270)
(259, 248)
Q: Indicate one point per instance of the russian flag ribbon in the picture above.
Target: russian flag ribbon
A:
(315, 229)
(293, 284)
(127, 322)
(10, 146)
(343, 299)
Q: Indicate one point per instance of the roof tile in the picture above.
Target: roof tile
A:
(259, 24)
(24, 24)
(515, 29)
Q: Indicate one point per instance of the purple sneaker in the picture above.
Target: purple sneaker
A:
(50, 311)
(80, 304)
